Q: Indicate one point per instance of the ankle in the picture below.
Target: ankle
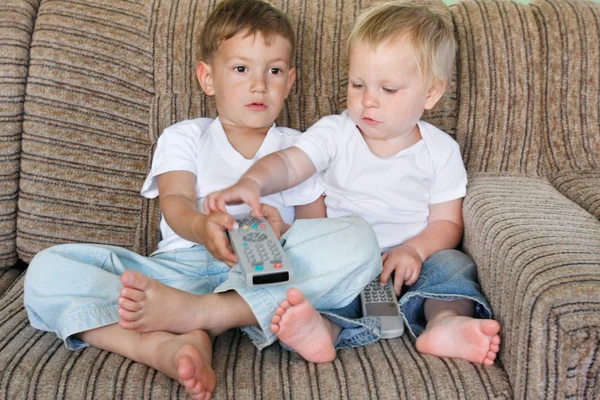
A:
(333, 328)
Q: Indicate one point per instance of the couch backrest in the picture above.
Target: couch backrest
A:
(17, 19)
(107, 77)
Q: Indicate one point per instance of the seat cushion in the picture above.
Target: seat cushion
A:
(35, 364)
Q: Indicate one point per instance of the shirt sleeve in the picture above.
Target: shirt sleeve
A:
(176, 150)
(320, 141)
(450, 182)
(304, 193)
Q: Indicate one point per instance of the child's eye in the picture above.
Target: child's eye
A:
(357, 86)
(390, 91)
(240, 68)
(275, 71)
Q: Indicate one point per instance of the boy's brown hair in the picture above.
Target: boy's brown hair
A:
(231, 17)
(430, 36)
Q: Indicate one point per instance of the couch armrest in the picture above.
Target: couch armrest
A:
(538, 257)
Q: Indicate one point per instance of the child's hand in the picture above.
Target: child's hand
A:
(245, 191)
(274, 217)
(406, 262)
(214, 237)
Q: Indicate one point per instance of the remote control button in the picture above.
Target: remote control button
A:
(259, 267)
(263, 226)
(278, 265)
(254, 226)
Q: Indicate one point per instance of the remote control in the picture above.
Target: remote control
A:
(381, 302)
(259, 252)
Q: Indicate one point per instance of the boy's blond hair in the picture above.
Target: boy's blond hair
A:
(231, 17)
(431, 38)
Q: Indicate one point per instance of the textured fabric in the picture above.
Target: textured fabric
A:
(501, 77)
(17, 19)
(572, 90)
(8, 277)
(85, 133)
(538, 258)
(34, 364)
(583, 187)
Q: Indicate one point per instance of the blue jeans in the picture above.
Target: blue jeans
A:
(75, 287)
(446, 275)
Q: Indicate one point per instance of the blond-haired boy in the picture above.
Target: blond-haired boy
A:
(378, 160)
(160, 310)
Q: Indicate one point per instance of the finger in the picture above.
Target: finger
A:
(224, 220)
(385, 275)
(219, 204)
(412, 279)
(208, 204)
(256, 208)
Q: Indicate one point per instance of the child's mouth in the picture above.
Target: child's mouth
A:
(257, 106)
(370, 121)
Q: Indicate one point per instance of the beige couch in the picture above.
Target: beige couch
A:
(86, 87)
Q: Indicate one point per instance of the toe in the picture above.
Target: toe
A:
(129, 305)
(129, 325)
(279, 311)
(133, 294)
(129, 316)
(276, 319)
(295, 296)
(136, 280)
(274, 328)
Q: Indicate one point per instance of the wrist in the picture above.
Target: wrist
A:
(416, 250)
(199, 228)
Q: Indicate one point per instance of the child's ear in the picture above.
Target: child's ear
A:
(204, 73)
(435, 93)
(290, 82)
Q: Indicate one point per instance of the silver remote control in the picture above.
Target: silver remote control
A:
(381, 302)
(259, 252)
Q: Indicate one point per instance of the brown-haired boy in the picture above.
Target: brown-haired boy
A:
(160, 310)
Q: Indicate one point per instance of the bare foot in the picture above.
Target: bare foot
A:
(474, 340)
(297, 324)
(187, 358)
(147, 305)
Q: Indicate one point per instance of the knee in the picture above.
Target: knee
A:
(453, 260)
(360, 241)
(42, 271)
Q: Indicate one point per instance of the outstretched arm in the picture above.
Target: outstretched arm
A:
(273, 173)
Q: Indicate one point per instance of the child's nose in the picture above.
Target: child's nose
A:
(370, 100)
(258, 84)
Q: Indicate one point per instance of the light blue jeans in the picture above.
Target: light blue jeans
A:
(75, 287)
(446, 275)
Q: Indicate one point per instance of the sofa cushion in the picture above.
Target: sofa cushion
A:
(17, 18)
(500, 92)
(571, 132)
(583, 187)
(34, 364)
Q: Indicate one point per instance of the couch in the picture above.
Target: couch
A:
(86, 87)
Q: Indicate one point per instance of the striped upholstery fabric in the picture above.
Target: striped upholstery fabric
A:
(538, 259)
(16, 27)
(501, 72)
(572, 132)
(33, 364)
(85, 134)
(106, 77)
(583, 187)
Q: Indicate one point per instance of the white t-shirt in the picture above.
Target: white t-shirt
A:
(393, 194)
(201, 147)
